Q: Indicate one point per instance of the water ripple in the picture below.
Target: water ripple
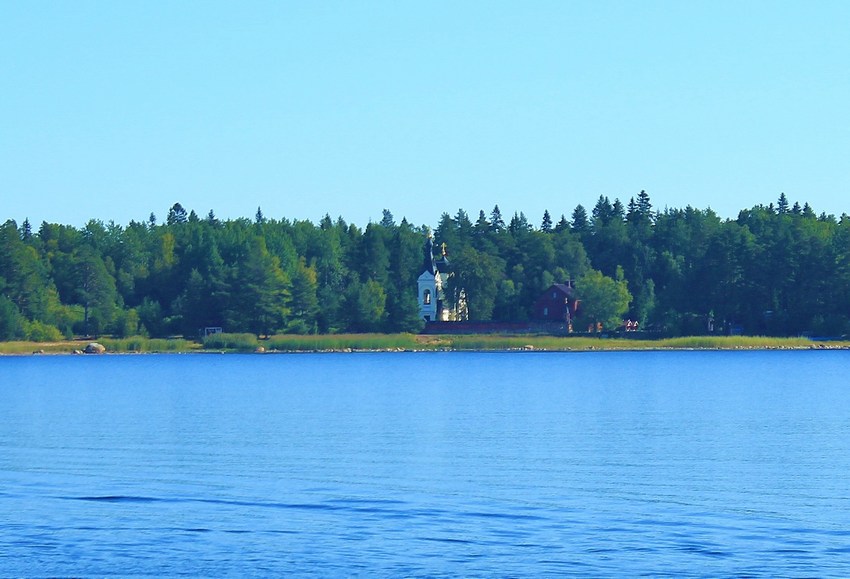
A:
(119, 499)
(674, 464)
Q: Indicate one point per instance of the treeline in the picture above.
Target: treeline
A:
(775, 270)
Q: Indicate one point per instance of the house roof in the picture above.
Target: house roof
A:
(562, 287)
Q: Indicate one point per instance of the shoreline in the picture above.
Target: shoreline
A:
(395, 351)
(419, 343)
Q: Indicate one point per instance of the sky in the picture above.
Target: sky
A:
(113, 110)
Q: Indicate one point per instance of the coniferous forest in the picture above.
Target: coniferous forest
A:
(779, 269)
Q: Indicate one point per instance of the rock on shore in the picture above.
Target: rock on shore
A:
(95, 348)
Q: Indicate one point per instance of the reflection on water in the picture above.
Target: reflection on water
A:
(677, 463)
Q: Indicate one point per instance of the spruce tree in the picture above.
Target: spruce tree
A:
(602, 212)
(782, 205)
(580, 223)
(546, 225)
(497, 224)
(618, 211)
(26, 230)
(632, 215)
(563, 224)
(644, 206)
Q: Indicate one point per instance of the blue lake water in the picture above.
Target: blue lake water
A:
(426, 464)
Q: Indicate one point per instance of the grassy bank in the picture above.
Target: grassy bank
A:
(116, 345)
(138, 344)
(412, 342)
(587, 343)
(344, 342)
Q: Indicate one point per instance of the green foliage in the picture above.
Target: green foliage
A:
(36, 331)
(261, 292)
(177, 215)
(10, 320)
(604, 301)
(304, 303)
(478, 275)
(779, 269)
(366, 306)
(25, 277)
(151, 317)
(127, 323)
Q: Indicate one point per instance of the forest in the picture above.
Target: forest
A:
(776, 269)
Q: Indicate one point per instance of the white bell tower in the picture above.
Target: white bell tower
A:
(428, 292)
(429, 284)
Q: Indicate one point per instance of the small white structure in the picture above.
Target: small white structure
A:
(430, 286)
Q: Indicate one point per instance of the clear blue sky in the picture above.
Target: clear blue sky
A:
(112, 110)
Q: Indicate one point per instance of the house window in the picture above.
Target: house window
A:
(426, 297)
(545, 312)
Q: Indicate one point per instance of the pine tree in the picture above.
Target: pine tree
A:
(176, 215)
(644, 206)
(26, 230)
(618, 211)
(563, 224)
(482, 234)
(580, 223)
(261, 304)
(602, 212)
(782, 205)
(519, 223)
(632, 215)
(95, 290)
(387, 220)
(546, 225)
(304, 303)
(497, 224)
(463, 224)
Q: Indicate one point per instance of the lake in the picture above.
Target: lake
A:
(426, 464)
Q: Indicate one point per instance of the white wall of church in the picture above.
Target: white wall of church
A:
(428, 294)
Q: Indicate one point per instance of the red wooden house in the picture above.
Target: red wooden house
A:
(557, 304)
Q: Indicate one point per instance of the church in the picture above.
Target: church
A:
(553, 313)
(432, 305)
